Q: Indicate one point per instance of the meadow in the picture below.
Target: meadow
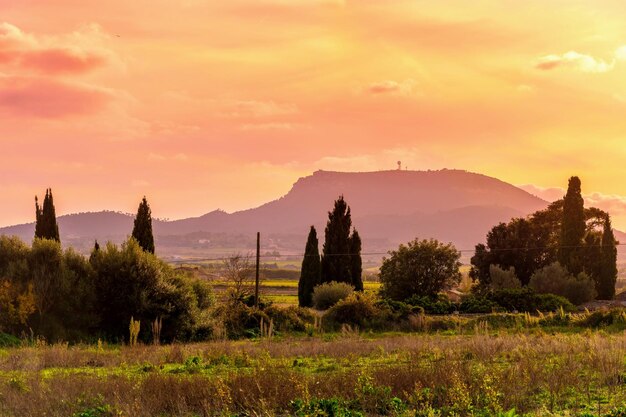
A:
(483, 366)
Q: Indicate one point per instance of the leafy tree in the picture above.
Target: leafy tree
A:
(46, 226)
(337, 257)
(18, 304)
(310, 274)
(605, 281)
(131, 282)
(556, 279)
(502, 279)
(422, 268)
(357, 263)
(573, 228)
(531, 243)
(142, 229)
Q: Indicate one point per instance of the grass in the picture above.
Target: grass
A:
(478, 374)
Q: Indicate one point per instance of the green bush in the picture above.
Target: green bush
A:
(555, 279)
(359, 309)
(476, 304)
(433, 305)
(8, 340)
(239, 320)
(328, 294)
(290, 319)
(526, 300)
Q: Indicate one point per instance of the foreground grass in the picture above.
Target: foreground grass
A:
(480, 374)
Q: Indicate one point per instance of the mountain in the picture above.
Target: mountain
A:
(388, 207)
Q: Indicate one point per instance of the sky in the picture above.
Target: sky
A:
(206, 104)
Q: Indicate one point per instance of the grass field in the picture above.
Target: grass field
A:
(348, 374)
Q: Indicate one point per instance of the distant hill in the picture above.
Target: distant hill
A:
(388, 207)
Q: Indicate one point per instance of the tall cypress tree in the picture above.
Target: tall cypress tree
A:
(356, 263)
(46, 226)
(605, 284)
(336, 257)
(142, 230)
(310, 273)
(572, 228)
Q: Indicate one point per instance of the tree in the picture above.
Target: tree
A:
(605, 282)
(356, 264)
(556, 279)
(336, 255)
(422, 268)
(238, 271)
(46, 226)
(531, 243)
(502, 279)
(310, 273)
(131, 282)
(142, 230)
(573, 228)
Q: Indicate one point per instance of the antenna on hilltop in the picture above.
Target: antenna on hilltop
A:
(399, 165)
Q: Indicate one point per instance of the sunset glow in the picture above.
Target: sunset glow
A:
(206, 104)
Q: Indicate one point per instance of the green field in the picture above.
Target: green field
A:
(340, 374)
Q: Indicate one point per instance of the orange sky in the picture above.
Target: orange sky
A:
(224, 104)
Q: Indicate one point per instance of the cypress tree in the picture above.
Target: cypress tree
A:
(311, 270)
(46, 226)
(608, 271)
(142, 230)
(336, 256)
(572, 228)
(356, 263)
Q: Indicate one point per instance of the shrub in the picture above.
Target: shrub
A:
(327, 295)
(555, 279)
(526, 300)
(424, 267)
(503, 279)
(440, 304)
(290, 319)
(358, 309)
(477, 304)
(239, 320)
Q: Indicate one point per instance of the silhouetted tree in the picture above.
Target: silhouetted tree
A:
(310, 274)
(336, 255)
(357, 263)
(605, 282)
(46, 226)
(142, 230)
(573, 228)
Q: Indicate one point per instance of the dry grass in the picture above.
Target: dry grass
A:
(536, 373)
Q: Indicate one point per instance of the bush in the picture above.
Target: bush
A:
(503, 279)
(327, 295)
(476, 304)
(290, 319)
(440, 304)
(358, 309)
(526, 300)
(555, 279)
(239, 320)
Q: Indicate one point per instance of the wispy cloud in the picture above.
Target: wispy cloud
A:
(392, 87)
(574, 60)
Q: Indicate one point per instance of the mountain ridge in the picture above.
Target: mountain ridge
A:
(396, 206)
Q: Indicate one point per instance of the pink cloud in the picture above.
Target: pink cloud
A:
(48, 98)
(55, 61)
(57, 57)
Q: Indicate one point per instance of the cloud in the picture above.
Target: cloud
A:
(612, 203)
(271, 126)
(52, 56)
(45, 98)
(392, 87)
(574, 60)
